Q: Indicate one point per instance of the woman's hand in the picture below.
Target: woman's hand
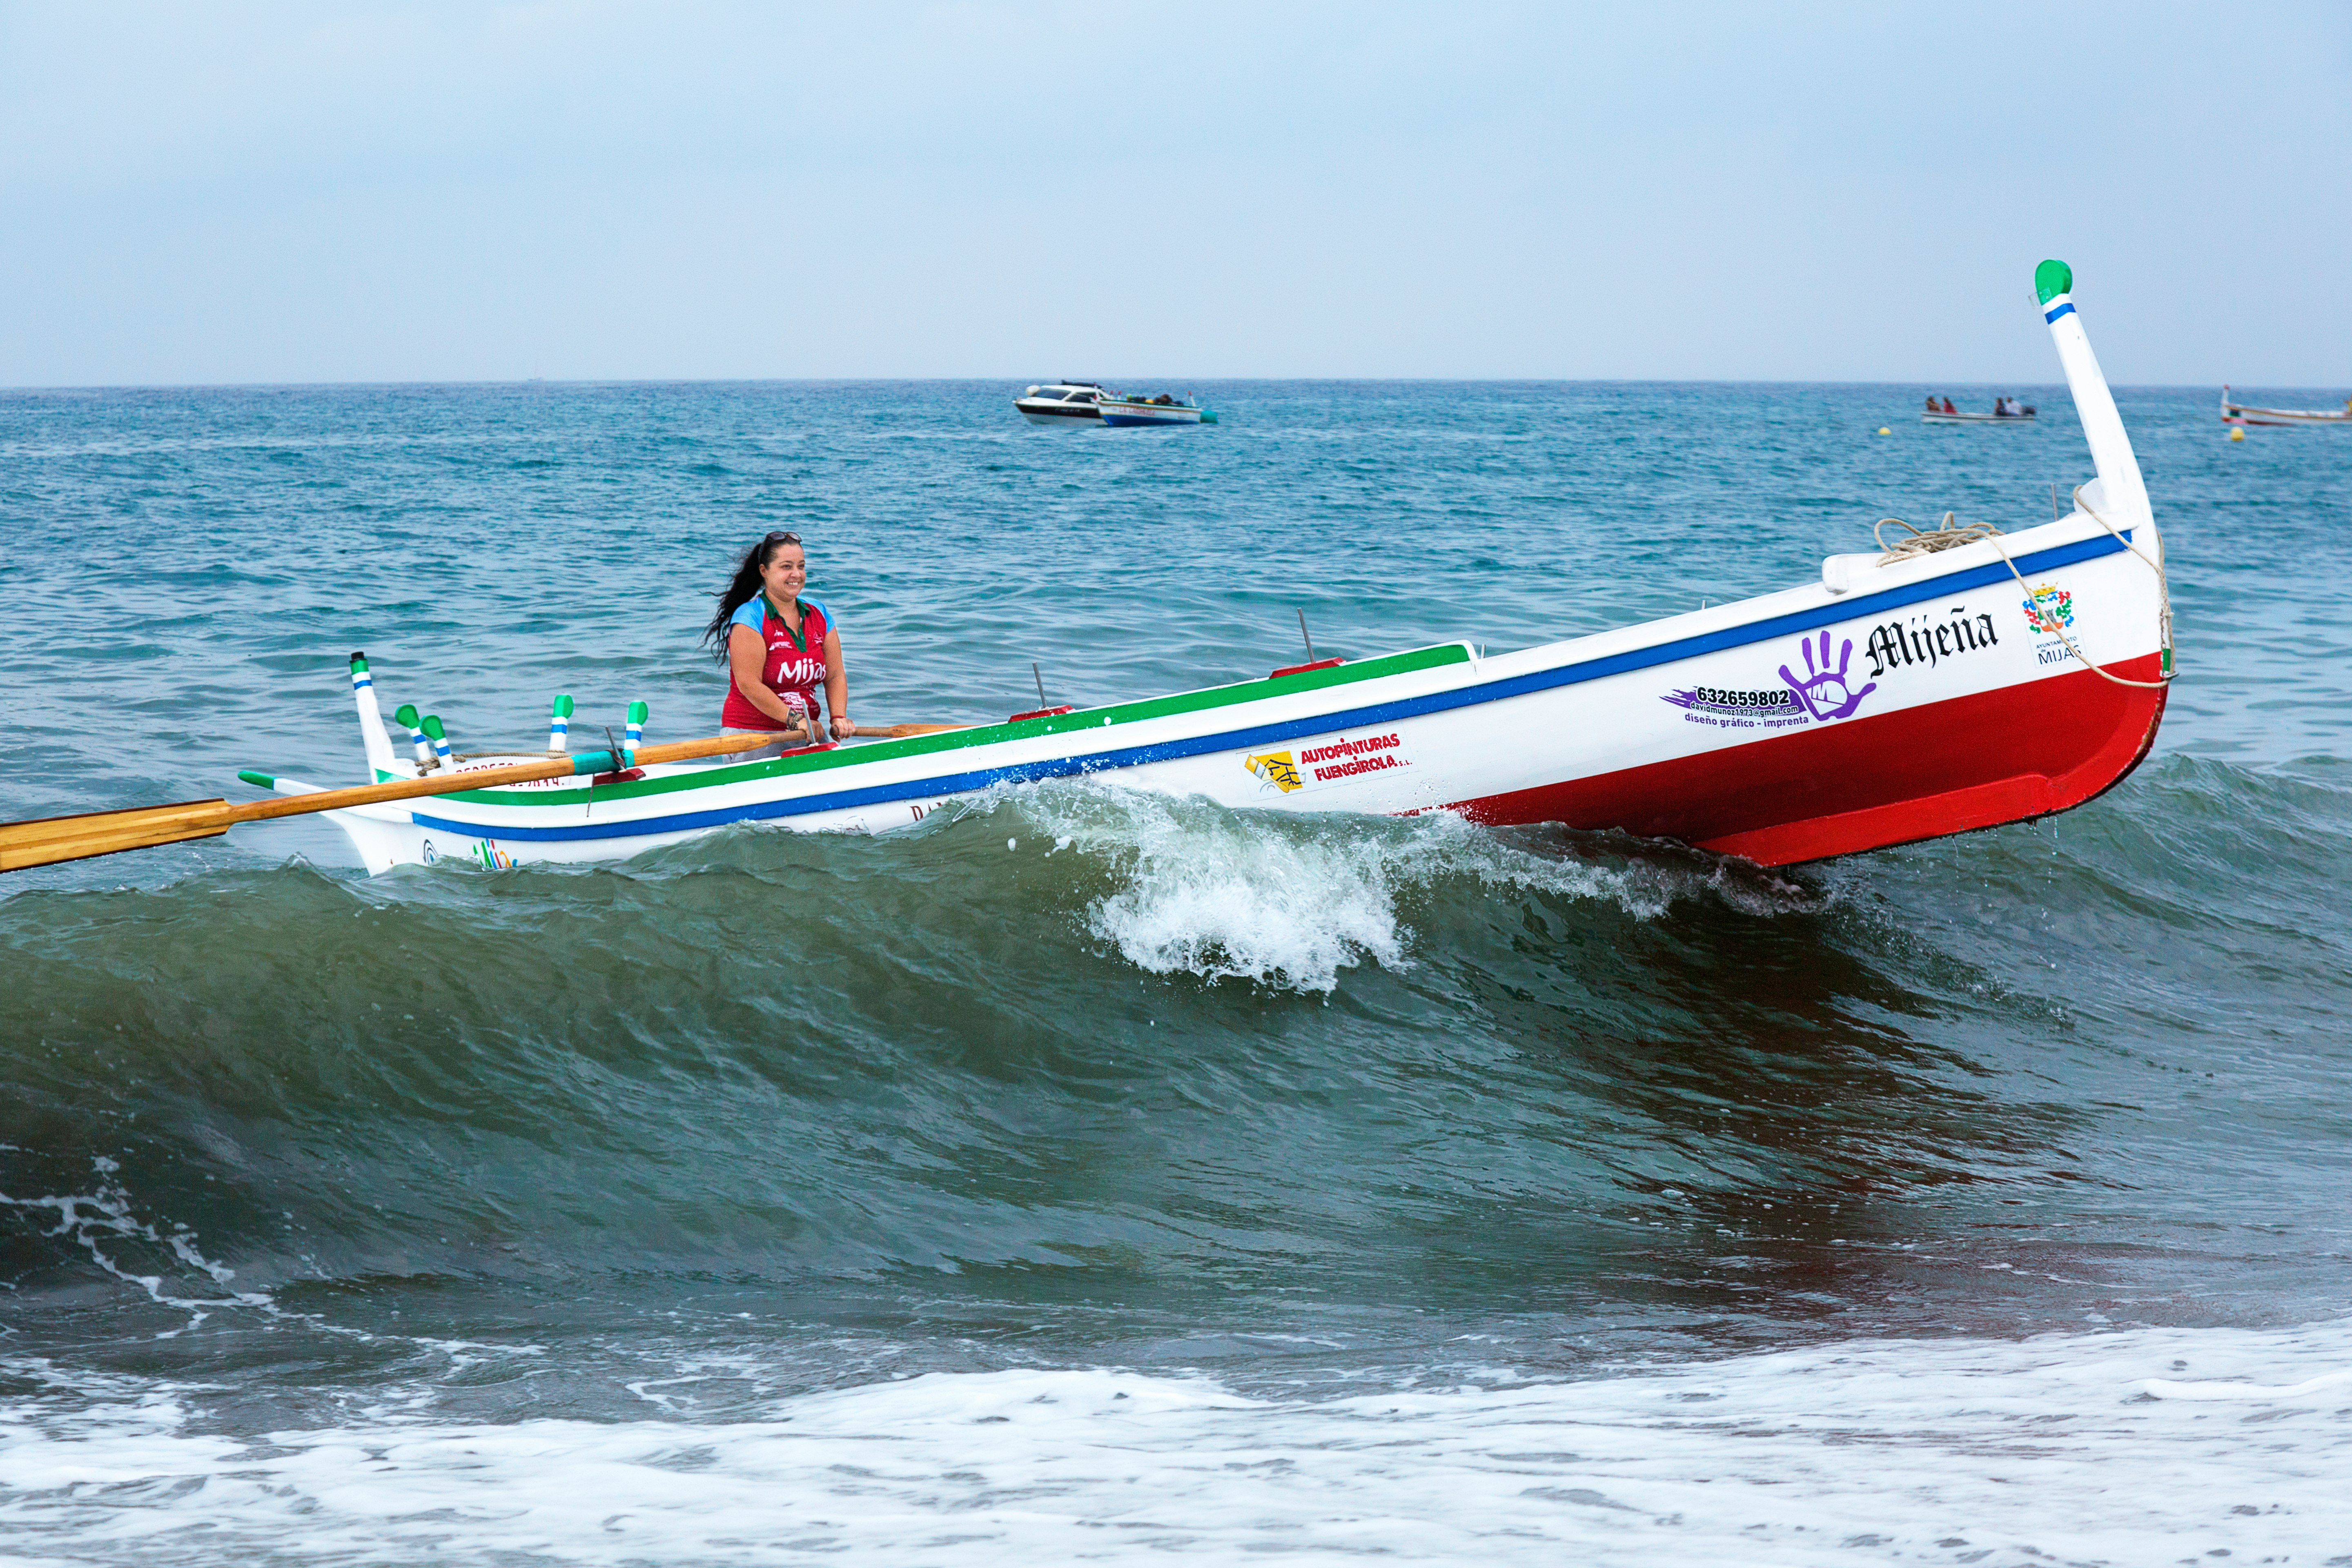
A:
(842, 728)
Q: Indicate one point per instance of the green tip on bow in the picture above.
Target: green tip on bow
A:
(359, 661)
(407, 715)
(2053, 279)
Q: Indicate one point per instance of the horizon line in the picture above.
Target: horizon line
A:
(8, 388)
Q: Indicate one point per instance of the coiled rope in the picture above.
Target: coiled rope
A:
(1950, 535)
(1927, 541)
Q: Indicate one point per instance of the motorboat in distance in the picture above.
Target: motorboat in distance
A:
(1164, 409)
(1065, 403)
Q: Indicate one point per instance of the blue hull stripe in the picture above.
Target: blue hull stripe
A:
(2065, 310)
(1381, 714)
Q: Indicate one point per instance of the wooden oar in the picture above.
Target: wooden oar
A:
(49, 840)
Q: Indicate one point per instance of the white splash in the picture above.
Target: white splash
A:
(1291, 900)
(1862, 1453)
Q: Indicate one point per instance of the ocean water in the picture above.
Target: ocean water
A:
(1081, 1175)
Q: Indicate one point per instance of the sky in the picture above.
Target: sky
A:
(256, 193)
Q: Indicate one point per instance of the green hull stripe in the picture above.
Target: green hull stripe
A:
(1084, 720)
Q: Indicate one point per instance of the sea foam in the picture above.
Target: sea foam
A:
(2074, 1448)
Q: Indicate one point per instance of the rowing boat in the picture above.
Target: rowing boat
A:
(1117, 411)
(1972, 680)
(2249, 414)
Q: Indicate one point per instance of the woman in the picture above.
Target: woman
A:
(779, 648)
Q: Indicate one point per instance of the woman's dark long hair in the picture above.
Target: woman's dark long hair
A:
(744, 587)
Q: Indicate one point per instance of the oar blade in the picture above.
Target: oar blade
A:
(50, 840)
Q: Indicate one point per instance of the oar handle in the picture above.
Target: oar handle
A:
(49, 840)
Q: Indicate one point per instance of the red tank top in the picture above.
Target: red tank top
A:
(793, 668)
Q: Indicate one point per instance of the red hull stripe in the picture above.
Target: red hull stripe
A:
(1973, 761)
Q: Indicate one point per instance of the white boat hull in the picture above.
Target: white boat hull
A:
(2233, 413)
(1066, 416)
(1119, 414)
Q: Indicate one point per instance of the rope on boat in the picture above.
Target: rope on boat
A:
(1927, 541)
(1946, 536)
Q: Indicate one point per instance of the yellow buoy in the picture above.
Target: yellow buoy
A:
(1884, 431)
(2237, 435)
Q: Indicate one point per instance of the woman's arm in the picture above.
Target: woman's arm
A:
(836, 687)
(747, 656)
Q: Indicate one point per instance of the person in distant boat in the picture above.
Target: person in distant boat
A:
(1947, 407)
(1931, 405)
(778, 648)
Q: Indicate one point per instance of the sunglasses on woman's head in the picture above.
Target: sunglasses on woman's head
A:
(782, 538)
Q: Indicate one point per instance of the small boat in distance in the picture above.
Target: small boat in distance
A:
(1064, 402)
(2005, 411)
(1164, 409)
(2247, 414)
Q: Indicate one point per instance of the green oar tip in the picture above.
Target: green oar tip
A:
(258, 781)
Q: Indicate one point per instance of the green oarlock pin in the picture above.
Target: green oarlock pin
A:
(407, 715)
(558, 725)
(634, 734)
(441, 754)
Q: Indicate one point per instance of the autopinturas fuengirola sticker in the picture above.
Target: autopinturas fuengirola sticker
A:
(1340, 760)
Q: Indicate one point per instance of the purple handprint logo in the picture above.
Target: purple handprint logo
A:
(1824, 691)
